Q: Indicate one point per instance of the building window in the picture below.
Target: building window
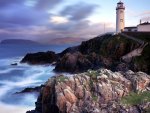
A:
(121, 11)
(121, 20)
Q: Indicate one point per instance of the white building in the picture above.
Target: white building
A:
(120, 21)
(143, 27)
(130, 29)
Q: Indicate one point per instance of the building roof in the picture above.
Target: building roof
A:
(120, 2)
(120, 5)
(145, 23)
(130, 27)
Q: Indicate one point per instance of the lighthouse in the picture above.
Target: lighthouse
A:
(120, 21)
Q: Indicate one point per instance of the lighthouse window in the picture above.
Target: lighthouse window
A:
(121, 20)
(121, 11)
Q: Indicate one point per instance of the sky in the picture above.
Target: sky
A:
(43, 20)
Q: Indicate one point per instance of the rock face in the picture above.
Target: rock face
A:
(77, 62)
(92, 92)
(30, 90)
(40, 58)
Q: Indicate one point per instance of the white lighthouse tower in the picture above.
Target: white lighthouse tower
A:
(120, 21)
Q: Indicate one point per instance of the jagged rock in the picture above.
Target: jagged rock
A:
(140, 80)
(61, 101)
(14, 64)
(30, 90)
(122, 67)
(83, 93)
(75, 62)
(70, 97)
(40, 58)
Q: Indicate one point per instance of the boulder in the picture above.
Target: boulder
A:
(40, 58)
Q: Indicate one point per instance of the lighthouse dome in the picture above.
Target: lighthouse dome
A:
(120, 5)
(120, 2)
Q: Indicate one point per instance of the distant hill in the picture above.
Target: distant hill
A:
(18, 41)
(59, 41)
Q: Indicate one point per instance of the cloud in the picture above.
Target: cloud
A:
(46, 4)
(58, 20)
(43, 34)
(31, 20)
(17, 15)
(78, 11)
(23, 17)
(145, 19)
(4, 3)
(144, 13)
(81, 29)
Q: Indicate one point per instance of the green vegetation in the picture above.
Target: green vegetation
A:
(62, 78)
(93, 74)
(94, 97)
(116, 43)
(93, 78)
(136, 98)
(145, 36)
(143, 60)
(116, 46)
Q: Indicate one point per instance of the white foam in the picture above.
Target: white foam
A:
(4, 90)
(6, 108)
(32, 76)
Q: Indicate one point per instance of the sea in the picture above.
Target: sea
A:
(15, 78)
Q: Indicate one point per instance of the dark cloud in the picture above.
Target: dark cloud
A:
(16, 14)
(81, 29)
(79, 11)
(22, 17)
(18, 20)
(69, 26)
(4, 3)
(47, 4)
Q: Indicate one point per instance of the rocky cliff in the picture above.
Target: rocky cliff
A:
(101, 91)
(102, 51)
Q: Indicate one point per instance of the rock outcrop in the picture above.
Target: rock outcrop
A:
(92, 92)
(102, 51)
(77, 62)
(30, 90)
(40, 58)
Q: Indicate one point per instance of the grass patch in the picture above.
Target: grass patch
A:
(62, 78)
(93, 74)
(94, 98)
(140, 35)
(110, 46)
(136, 98)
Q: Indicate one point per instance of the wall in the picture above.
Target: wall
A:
(130, 29)
(144, 28)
